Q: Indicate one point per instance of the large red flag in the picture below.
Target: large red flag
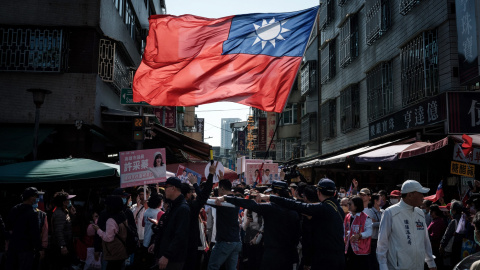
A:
(249, 59)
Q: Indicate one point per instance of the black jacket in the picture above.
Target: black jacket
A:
(173, 240)
(24, 224)
(327, 219)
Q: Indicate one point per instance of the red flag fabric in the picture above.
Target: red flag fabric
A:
(439, 194)
(249, 59)
(467, 145)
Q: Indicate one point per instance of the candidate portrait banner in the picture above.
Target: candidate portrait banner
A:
(251, 59)
(268, 173)
(142, 167)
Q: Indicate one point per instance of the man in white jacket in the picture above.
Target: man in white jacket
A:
(403, 241)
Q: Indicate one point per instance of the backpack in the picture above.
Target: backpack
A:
(131, 242)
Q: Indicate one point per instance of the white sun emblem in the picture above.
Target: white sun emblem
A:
(269, 32)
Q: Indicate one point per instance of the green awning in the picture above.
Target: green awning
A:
(17, 142)
(55, 170)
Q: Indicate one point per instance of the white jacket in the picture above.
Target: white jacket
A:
(403, 241)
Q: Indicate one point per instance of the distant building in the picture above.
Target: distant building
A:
(226, 140)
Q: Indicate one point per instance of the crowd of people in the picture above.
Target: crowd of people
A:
(183, 225)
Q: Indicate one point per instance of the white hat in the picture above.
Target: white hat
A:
(412, 186)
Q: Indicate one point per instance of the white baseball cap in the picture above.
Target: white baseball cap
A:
(412, 186)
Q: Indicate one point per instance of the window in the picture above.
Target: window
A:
(326, 13)
(328, 62)
(379, 91)
(419, 71)
(289, 115)
(309, 128)
(350, 108)
(308, 77)
(32, 49)
(328, 119)
(407, 5)
(377, 19)
(348, 40)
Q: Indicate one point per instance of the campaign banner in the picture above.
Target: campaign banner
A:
(183, 173)
(268, 173)
(142, 167)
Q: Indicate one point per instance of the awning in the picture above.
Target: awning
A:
(55, 170)
(341, 157)
(400, 151)
(16, 142)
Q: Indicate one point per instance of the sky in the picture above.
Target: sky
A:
(214, 112)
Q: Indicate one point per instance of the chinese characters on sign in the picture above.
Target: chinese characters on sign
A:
(424, 113)
(462, 169)
(262, 134)
(467, 40)
(464, 112)
(241, 141)
(472, 158)
(170, 116)
(142, 167)
(271, 124)
(200, 126)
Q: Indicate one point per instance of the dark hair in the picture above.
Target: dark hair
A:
(155, 201)
(456, 206)
(434, 208)
(301, 188)
(428, 203)
(59, 198)
(238, 189)
(159, 155)
(358, 203)
(310, 193)
(476, 221)
(140, 189)
(374, 197)
(225, 184)
(382, 193)
(114, 204)
(282, 192)
(215, 192)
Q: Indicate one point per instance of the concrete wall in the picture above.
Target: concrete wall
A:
(426, 15)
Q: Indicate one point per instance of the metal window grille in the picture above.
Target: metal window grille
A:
(112, 66)
(350, 108)
(328, 119)
(407, 5)
(32, 49)
(328, 62)
(379, 91)
(309, 128)
(308, 77)
(377, 19)
(289, 149)
(419, 72)
(326, 13)
(348, 50)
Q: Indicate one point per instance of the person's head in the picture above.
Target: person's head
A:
(426, 206)
(224, 187)
(365, 194)
(238, 191)
(456, 208)
(120, 192)
(395, 196)
(173, 188)
(310, 194)
(356, 205)
(158, 161)
(141, 194)
(383, 197)
(325, 189)
(413, 193)
(114, 204)
(342, 193)
(300, 190)
(344, 204)
(30, 195)
(61, 200)
(95, 215)
(280, 188)
(293, 187)
(184, 173)
(155, 201)
(375, 200)
(188, 191)
(435, 211)
(267, 172)
(257, 172)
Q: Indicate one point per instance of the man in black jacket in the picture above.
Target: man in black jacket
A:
(196, 205)
(23, 227)
(327, 218)
(171, 244)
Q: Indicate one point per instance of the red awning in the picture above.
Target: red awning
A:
(420, 148)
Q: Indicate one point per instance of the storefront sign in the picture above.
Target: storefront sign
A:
(170, 116)
(271, 125)
(463, 112)
(142, 167)
(467, 41)
(462, 169)
(472, 158)
(200, 126)
(425, 113)
(241, 140)
(262, 134)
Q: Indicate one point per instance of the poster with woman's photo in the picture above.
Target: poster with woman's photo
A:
(262, 175)
(142, 167)
(183, 173)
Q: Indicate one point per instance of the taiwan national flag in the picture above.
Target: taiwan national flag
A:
(439, 194)
(249, 59)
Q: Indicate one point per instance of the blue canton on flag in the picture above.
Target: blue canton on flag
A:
(273, 34)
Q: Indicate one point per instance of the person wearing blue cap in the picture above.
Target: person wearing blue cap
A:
(327, 218)
(281, 228)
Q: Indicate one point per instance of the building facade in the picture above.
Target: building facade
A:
(226, 132)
